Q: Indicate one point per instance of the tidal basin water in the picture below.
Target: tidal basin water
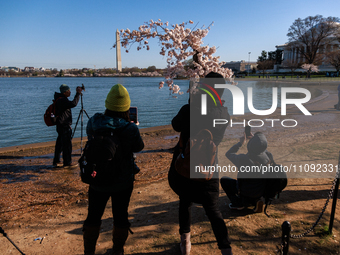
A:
(23, 102)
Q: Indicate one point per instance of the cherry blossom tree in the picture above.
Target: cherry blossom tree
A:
(333, 58)
(178, 43)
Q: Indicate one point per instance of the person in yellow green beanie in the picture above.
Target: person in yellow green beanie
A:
(118, 99)
(116, 120)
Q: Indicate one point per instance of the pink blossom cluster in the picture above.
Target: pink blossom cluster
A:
(178, 43)
(172, 87)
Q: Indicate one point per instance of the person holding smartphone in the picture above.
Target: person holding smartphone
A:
(133, 112)
(115, 119)
(249, 187)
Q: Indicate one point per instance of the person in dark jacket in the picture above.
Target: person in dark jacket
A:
(115, 118)
(249, 187)
(188, 121)
(64, 122)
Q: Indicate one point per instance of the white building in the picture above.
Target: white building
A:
(240, 66)
(293, 54)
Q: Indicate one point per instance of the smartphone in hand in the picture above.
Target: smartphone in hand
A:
(247, 130)
(133, 112)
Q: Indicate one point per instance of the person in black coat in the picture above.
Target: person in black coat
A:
(116, 119)
(188, 122)
(64, 122)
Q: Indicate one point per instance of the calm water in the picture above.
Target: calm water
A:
(23, 102)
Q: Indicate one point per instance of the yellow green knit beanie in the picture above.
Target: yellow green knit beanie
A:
(118, 99)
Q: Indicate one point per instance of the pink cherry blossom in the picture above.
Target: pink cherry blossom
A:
(178, 43)
(175, 89)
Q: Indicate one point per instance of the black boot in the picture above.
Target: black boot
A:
(119, 237)
(226, 251)
(90, 236)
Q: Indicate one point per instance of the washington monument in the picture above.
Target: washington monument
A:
(118, 56)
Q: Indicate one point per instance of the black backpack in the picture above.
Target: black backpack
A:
(100, 162)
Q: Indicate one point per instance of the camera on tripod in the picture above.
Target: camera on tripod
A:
(82, 111)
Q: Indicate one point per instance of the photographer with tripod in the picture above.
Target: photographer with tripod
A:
(64, 122)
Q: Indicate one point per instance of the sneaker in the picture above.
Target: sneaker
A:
(70, 166)
(235, 206)
(258, 207)
(57, 165)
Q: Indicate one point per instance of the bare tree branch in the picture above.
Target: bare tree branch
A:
(312, 33)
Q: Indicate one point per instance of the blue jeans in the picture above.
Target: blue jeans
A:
(64, 145)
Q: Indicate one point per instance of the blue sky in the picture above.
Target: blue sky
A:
(76, 34)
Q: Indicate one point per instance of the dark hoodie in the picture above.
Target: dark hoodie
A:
(251, 184)
(257, 148)
(63, 108)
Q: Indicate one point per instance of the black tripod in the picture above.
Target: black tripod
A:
(5, 235)
(81, 113)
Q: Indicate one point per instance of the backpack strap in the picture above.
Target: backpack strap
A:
(55, 100)
(55, 106)
(181, 143)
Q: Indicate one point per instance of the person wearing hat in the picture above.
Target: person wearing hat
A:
(115, 118)
(64, 122)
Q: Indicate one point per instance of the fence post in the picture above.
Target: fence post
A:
(286, 228)
(335, 198)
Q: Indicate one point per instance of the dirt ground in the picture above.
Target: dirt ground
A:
(42, 209)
